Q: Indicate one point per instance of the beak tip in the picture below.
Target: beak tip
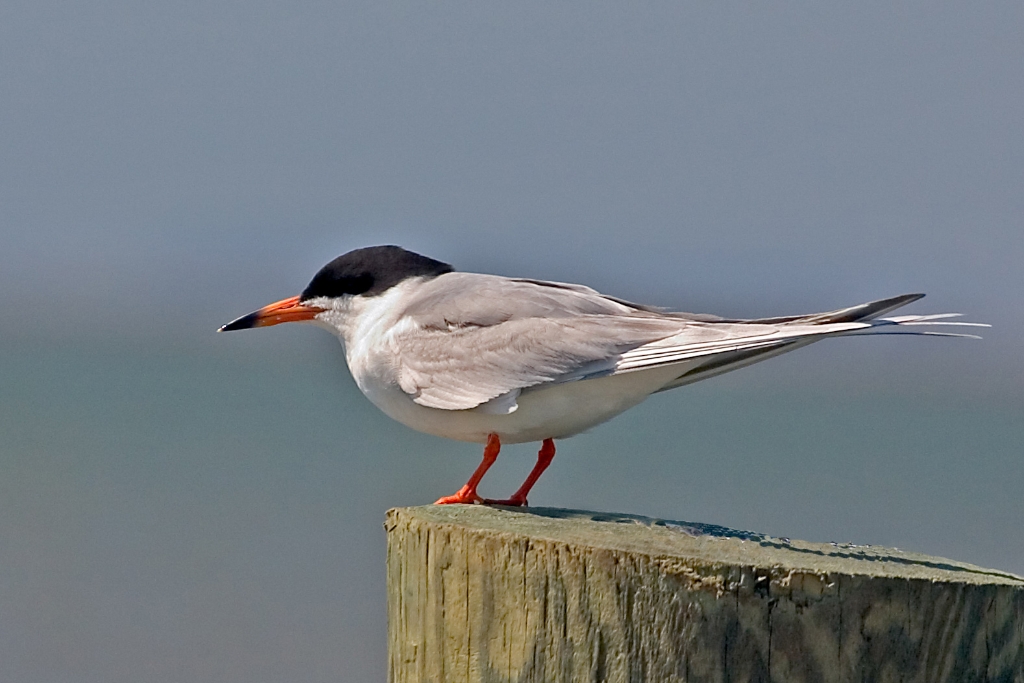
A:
(284, 311)
(243, 323)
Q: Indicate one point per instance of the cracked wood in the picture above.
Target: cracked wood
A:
(479, 594)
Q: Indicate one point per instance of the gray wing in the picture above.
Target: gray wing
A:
(467, 339)
(467, 366)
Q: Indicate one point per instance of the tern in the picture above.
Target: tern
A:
(493, 360)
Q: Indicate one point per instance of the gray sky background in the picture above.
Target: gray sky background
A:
(166, 167)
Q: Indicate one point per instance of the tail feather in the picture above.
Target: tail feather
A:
(885, 325)
(850, 314)
(856, 320)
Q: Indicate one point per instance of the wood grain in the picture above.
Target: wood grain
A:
(493, 595)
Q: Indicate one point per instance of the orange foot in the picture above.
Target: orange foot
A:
(467, 494)
(464, 496)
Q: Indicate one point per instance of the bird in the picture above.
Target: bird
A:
(501, 360)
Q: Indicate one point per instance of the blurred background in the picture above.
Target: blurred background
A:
(177, 505)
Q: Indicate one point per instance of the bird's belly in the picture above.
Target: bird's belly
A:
(554, 411)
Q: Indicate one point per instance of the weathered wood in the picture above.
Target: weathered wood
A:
(485, 594)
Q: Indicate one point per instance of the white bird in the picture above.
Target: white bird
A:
(494, 360)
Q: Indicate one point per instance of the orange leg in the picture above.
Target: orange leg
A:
(544, 458)
(467, 494)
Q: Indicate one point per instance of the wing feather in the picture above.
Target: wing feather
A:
(467, 340)
(466, 366)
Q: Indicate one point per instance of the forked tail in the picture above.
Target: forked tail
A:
(870, 312)
(792, 332)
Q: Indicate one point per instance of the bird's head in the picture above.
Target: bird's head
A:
(357, 275)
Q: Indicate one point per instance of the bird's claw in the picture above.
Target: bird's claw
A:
(465, 496)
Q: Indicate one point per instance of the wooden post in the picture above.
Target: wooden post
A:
(486, 594)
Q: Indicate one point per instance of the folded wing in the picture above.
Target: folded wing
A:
(472, 339)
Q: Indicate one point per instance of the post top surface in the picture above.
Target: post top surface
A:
(700, 544)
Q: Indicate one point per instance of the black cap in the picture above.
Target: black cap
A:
(371, 271)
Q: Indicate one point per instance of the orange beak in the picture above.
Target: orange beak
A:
(284, 311)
